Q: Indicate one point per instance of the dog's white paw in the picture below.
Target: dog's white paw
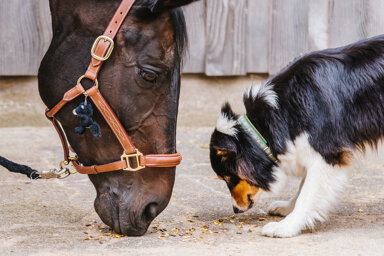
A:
(281, 208)
(280, 229)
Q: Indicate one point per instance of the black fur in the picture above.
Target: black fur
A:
(336, 96)
(243, 161)
(163, 5)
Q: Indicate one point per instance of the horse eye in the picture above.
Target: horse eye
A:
(148, 76)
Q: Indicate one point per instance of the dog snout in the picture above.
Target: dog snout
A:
(237, 210)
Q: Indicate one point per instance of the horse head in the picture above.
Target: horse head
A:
(141, 83)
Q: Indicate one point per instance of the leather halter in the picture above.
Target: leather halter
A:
(131, 159)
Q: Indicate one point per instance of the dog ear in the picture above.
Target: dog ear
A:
(226, 122)
(227, 111)
(223, 145)
(164, 5)
(224, 153)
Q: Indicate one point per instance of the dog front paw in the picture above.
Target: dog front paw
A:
(280, 208)
(280, 229)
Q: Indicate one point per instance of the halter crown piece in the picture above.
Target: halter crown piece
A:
(131, 159)
(251, 130)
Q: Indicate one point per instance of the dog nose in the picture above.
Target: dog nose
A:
(237, 210)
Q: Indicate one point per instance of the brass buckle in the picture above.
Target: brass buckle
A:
(110, 49)
(136, 157)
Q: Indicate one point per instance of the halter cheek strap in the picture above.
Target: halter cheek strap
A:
(131, 159)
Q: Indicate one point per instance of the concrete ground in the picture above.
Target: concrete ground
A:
(56, 217)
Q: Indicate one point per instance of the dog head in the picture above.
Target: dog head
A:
(240, 162)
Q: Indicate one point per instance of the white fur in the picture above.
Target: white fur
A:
(321, 187)
(226, 125)
(264, 91)
(283, 208)
(280, 181)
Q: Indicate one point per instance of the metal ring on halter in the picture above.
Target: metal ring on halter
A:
(63, 174)
(83, 76)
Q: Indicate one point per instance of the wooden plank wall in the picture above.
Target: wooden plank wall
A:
(277, 31)
(289, 32)
(25, 33)
(194, 62)
(227, 37)
(258, 36)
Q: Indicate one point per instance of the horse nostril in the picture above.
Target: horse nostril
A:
(151, 210)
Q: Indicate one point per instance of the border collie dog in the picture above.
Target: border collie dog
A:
(313, 121)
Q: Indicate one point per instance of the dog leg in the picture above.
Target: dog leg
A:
(320, 191)
(283, 208)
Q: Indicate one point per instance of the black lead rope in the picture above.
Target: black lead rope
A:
(19, 168)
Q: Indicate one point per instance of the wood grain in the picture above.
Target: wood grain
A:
(375, 18)
(195, 18)
(226, 37)
(289, 32)
(225, 30)
(258, 35)
(318, 24)
(347, 21)
(25, 35)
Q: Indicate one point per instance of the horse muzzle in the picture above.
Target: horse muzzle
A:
(128, 203)
(128, 217)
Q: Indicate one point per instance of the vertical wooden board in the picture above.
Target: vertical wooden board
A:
(194, 61)
(375, 18)
(258, 36)
(347, 21)
(25, 35)
(43, 25)
(225, 31)
(289, 32)
(318, 24)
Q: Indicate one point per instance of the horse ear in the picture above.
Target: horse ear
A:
(164, 5)
(52, 2)
(53, 7)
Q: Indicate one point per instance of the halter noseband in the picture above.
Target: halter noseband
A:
(131, 159)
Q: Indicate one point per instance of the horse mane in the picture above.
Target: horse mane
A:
(181, 36)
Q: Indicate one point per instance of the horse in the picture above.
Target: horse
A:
(141, 83)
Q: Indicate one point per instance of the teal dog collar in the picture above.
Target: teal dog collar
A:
(250, 129)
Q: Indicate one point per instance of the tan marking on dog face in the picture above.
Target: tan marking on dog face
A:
(241, 191)
(227, 179)
(220, 178)
(223, 154)
(345, 158)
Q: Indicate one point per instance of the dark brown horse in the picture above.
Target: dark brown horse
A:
(140, 81)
